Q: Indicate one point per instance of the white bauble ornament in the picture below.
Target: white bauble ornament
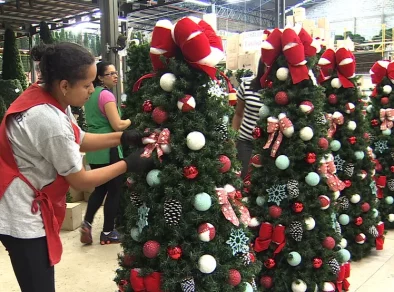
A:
(369, 108)
(248, 287)
(166, 148)
(336, 83)
(207, 264)
(360, 238)
(350, 107)
(390, 217)
(187, 103)
(306, 134)
(282, 73)
(387, 89)
(167, 82)
(336, 194)
(343, 243)
(206, 232)
(253, 222)
(328, 287)
(355, 198)
(351, 125)
(195, 140)
(288, 132)
(310, 223)
(264, 111)
(298, 286)
(306, 107)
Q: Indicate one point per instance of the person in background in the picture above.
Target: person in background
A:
(40, 159)
(103, 116)
(249, 102)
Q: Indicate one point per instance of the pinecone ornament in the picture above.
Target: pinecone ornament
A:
(254, 285)
(296, 230)
(338, 228)
(187, 285)
(349, 169)
(222, 132)
(172, 212)
(245, 257)
(321, 120)
(390, 184)
(334, 265)
(343, 203)
(292, 189)
(373, 231)
(135, 199)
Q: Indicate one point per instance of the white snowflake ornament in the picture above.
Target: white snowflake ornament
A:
(238, 241)
(276, 194)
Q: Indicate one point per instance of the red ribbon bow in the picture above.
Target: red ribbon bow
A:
(381, 184)
(344, 274)
(380, 70)
(229, 194)
(387, 118)
(379, 241)
(282, 126)
(334, 120)
(268, 234)
(156, 140)
(149, 283)
(295, 44)
(328, 170)
(342, 61)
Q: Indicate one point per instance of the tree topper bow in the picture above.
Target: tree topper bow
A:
(380, 70)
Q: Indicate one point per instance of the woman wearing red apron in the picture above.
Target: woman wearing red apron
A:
(40, 158)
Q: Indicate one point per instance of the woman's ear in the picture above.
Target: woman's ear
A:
(64, 86)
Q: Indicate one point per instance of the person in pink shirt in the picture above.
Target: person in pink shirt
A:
(103, 116)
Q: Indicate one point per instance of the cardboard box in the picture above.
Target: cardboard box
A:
(251, 41)
(249, 61)
(73, 217)
(232, 44)
(290, 20)
(232, 61)
(319, 33)
(309, 25)
(299, 11)
(323, 23)
(76, 195)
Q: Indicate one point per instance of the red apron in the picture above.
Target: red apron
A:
(52, 198)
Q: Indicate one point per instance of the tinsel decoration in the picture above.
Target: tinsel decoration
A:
(172, 212)
(292, 189)
(343, 203)
(296, 230)
(188, 285)
(222, 132)
(349, 169)
(390, 184)
(334, 265)
(373, 231)
(135, 199)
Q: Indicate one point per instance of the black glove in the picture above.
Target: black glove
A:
(133, 138)
(137, 164)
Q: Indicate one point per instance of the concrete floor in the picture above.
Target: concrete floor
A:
(92, 268)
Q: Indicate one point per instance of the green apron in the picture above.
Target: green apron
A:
(98, 124)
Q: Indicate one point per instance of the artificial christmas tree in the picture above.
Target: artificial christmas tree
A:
(349, 140)
(187, 224)
(294, 181)
(380, 114)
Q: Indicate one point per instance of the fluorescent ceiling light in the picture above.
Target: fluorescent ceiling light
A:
(297, 5)
(2, 1)
(197, 2)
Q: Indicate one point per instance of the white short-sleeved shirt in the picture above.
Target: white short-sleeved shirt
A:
(43, 143)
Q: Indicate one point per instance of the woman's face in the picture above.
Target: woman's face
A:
(110, 77)
(78, 93)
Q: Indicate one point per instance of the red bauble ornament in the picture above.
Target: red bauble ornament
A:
(375, 122)
(127, 260)
(187, 103)
(360, 238)
(358, 221)
(159, 115)
(234, 277)
(206, 232)
(349, 107)
(256, 161)
(329, 242)
(317, 263)
(392, 168)
(352, 140)
(282, 98)
(122, 285)
(266, 282)
(332, 99)
(174, 252)
(384, 100)
(190, 172)
(310, 157)
(270, 263)
(367, 136)
(297, 207)
(147, 106)
(275, 211)
(323, 143)
(256, 133)
(151, 249)
(270, 84)
(226, 163)
(348, 183)
(365, 207)
(252, 257)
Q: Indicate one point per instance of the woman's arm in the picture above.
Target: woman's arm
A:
(94, 142)
(239, 113)
(111, 111)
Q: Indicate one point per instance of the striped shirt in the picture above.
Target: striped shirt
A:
(253, 102)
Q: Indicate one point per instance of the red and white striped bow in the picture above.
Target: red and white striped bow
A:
(387, 118)
(328, 170)
(334, 120)
(282, 126)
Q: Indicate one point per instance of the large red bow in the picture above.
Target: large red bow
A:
(379, 241)
(327, 169)
(387, 118)
(156, 140)
(342, 61)
(380, 184)
(228, 195)
(149, 283)
(295, 44)
(334, 120)
(282, 126)
(268, 234)
(380, 70)
(344, 274)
